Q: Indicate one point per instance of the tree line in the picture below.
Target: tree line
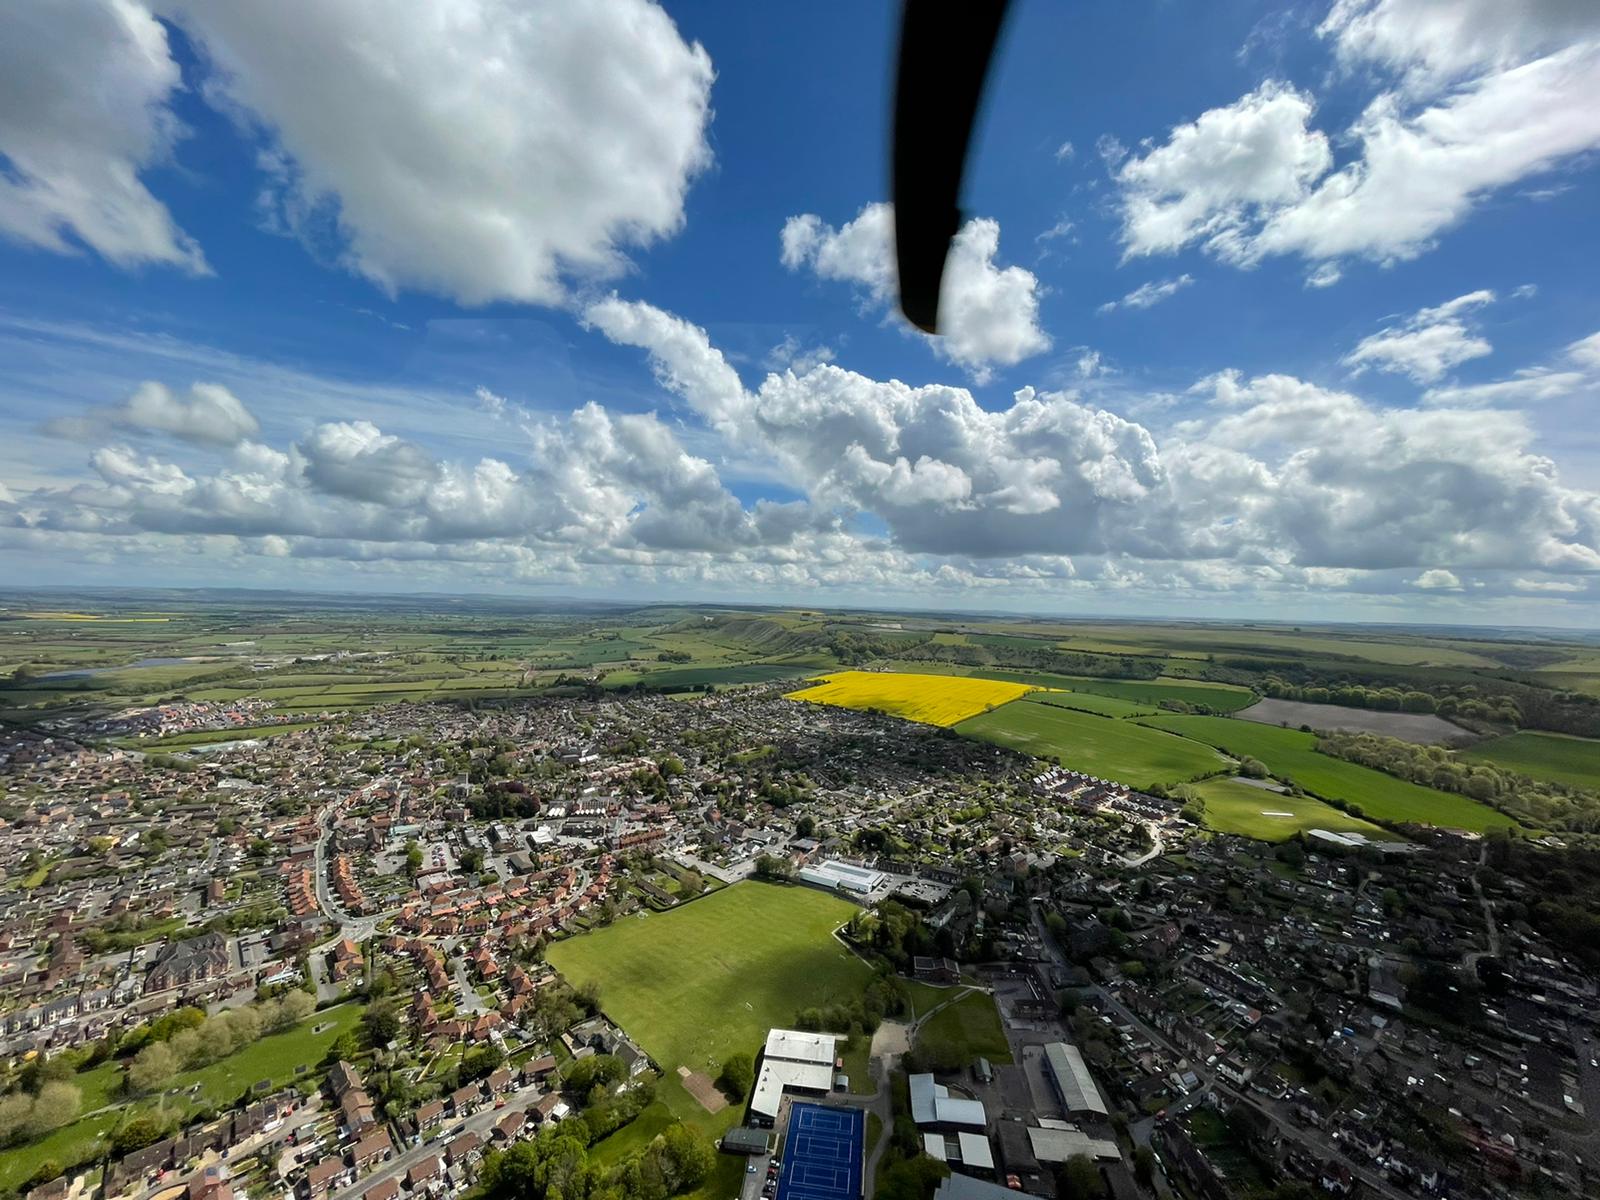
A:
(1532, 802)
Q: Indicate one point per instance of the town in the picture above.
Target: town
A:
(348, 960)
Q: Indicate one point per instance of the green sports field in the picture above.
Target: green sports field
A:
(701, 981)
(961, 1032)
(1290, 754)
(1253, 812)
(1106, 748)
(1549, 756)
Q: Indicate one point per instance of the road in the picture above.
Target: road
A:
(471, 1002)
(305, 1115)
(1156, 847)
(480, 1123)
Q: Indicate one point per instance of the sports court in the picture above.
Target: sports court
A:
(822, 1153)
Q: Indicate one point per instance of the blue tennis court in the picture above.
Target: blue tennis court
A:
(822, 1153)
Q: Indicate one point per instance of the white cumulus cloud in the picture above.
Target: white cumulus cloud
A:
(84, 92)
(1428, 344)
(1478, 96)
(207, 413)
(988, 314)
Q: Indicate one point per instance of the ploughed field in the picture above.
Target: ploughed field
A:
(1423, 728)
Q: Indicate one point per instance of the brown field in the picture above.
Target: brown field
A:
(702, 1089)
(1421, 728)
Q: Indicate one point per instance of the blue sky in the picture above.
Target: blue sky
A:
(1265, 310)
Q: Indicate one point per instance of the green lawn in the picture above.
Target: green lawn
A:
(1291, 754)
(1221, 696)
(274, 1057)
(963, 1031)
(1549, 756)
(72, 1144)
(1233, 807)
(708, 978)
(1109, 749)
(634, 1136)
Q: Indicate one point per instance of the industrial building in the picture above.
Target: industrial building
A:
(1074, 1085)
(933, 1105)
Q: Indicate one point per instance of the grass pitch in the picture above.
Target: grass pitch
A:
(699, 982)
(1553, 757)
(931, 699)
(1106, 748)
(958, 1034)
(1290, 754)
(1253, 812)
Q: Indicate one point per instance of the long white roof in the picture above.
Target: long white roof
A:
(777, 1075)
(1072, 1076)
(793, 1045)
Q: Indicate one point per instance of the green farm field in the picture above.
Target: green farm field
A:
(1110, 749)
(702, 981)
(1291, 754)
(1220, 696)
(1092, 702)
(1549, 756)
(1243, 809)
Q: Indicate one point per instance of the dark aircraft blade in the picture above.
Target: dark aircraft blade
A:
(945, 49)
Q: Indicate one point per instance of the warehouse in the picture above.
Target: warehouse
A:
(1054, 1146)
(1074, 1085)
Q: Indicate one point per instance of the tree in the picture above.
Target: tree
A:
(805, 826)
(383, 1023)
(294, 1007)
(1144, 1166)
(152, 1067)
(738, 1073)
(56, 1105)
(768, 867)
(687, 1157)
(413, 859)
(1079, 1179)
(143, 1130)
(16, 1110)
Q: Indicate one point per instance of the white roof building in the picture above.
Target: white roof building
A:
(976, 1153)
(1072, 1079)
(793, 1060)
(793, 1045)
(843, 876)
(932, 1104)
(1051, 1146)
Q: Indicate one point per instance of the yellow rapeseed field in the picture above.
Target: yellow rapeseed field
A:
(931, 699)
